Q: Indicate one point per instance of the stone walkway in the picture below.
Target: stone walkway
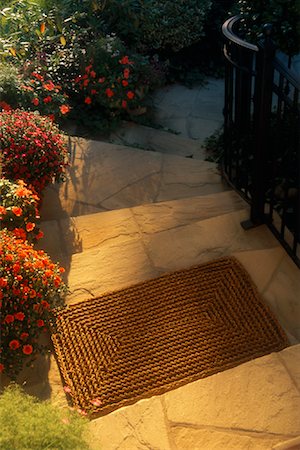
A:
(126, 215)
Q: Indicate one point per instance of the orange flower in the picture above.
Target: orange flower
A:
(30, 226)
(20, 233)
(49, 86)
(27, 349)
(64, 109)
(2, 210)
(17, 211)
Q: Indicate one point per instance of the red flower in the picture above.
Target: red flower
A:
(2, 210)
(39, 235)
(88, 68)
(101, 80)
(109, 92)
(27, 349)
(1, 367)
(64, 109)
(9, 318)
(5, 106)
(124, 82)
(125, 60)
(35, 101)
(93, 92)
(30, 226)
(130, 95)
(93, 74)
(40, 323)
(88, 100)
(24, 336)
(126, 73)
(20, 316)
(3, 282)
(124, 104)
(14, 344)
(48, 99)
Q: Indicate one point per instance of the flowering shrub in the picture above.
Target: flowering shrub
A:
(113, 89)
(18, 210)
(41, 94)
(30, 286)
(33, 149)
(113, 81)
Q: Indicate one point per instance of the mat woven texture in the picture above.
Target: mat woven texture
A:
(162, 333)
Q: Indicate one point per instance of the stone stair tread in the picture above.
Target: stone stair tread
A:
(135, 254)
(104, 176)
(88, 231)
(133, 134)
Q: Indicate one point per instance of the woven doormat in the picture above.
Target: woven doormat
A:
(162, 333)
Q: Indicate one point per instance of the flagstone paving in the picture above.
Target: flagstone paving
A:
(126, 215)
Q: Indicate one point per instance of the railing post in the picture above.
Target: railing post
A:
(261, 123)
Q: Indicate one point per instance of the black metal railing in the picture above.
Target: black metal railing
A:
(261, 134)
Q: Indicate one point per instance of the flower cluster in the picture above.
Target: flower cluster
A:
(33, 149)
(115, 88)
(19, 210)
(30, 285)
(41, 94)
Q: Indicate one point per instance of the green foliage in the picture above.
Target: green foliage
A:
(158, 24)
(28, 424)
(282, 14)
(9, 85)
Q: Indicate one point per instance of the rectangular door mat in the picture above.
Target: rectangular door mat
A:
(160, 334)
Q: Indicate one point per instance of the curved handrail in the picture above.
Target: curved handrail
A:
(227, 30)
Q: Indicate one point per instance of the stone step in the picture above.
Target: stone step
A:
(104, 176)
(144, 137)
(77, 234)
(108, 251)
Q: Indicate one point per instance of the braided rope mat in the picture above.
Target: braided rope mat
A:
(162, 333)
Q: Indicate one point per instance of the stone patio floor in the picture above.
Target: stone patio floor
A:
(155, 212)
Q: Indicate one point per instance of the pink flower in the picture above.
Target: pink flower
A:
(96, 402)
(67, 389)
